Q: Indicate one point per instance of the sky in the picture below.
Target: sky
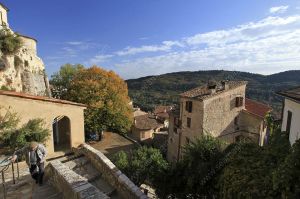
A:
(137, 38)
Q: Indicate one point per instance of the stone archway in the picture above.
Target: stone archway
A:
(61, 133)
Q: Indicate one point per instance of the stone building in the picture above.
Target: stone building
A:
(219, 109)
(162, 113)
(23, 71)
(144, 127)
(291, 113)
(64, 119)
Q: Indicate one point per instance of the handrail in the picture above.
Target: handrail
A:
(5, 164)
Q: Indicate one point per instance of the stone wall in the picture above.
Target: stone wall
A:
(111, 173)
(71, 184)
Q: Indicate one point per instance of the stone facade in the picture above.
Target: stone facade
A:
(111, 173)
(218, 111)
(23, 71)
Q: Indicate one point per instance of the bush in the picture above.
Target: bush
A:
(9, 43)
(144, 164)
(33, 130)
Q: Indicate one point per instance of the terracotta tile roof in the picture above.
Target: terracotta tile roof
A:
(257, 108)
(292, 93)
(203, 92)
(162, 109)
(147, 122)
(40, 98)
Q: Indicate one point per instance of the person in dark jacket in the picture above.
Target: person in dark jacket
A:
(35, 155)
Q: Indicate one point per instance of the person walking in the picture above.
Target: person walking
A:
(35, 155)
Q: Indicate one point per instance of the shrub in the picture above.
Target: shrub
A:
(33, 130)
(9, 43)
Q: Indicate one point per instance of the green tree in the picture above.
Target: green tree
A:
(195, 173)
(60, 81)
(143, 165)
(106, 95)
(8, 120)
(9, 43)
(286, 178)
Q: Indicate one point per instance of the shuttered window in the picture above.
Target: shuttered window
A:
(239, 101)
(189, 106)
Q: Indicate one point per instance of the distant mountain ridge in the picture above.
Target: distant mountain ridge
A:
(148, 92)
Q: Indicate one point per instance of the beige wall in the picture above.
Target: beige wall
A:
(29, 44)
(4, 16)
(137, 134)
(294, 107)
(29, 109)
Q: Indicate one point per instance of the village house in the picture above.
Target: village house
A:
(162, 113)
(63, 119)
(291, 113)
(144, 127)
(219, 109)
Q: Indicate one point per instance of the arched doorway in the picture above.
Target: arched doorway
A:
(61, 133)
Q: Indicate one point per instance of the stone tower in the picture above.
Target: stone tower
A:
(23, 71)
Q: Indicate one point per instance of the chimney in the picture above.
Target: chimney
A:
(225, 85)
(212, 85)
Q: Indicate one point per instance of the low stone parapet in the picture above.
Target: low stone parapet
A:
(71, 184)
(111, 173)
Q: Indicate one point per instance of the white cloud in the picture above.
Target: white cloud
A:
(250, 31)
(75, 43)
(278, 9)
(98, 59)
(266, 46)
(165, 46)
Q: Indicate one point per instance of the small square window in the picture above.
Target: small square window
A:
(239, 101)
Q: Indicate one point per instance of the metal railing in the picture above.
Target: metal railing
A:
(4, 166)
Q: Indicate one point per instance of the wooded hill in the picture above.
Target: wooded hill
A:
(148, 92)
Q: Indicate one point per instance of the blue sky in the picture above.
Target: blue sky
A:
(148, 37)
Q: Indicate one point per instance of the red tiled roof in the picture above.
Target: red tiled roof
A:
(203, 92)
(162, 109)
(40, 98)
(146, 122)
(257, 108)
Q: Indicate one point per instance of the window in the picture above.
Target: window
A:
(236, 120)
(239, 101)
(143, 134)
(189, 106)
(188, 122)
(176, 121)
(289, 122)
(175, 130)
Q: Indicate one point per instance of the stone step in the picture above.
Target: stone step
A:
(78, 162)
(103, 186)
(44, 192)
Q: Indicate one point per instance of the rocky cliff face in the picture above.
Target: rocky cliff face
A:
(24, 71)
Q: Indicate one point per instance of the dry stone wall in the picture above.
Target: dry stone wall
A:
(71, 184)
(111, 173)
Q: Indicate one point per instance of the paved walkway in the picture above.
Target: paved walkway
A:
(112, 143)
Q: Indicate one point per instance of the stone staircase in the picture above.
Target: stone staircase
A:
(26, 188)
(84, 168)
